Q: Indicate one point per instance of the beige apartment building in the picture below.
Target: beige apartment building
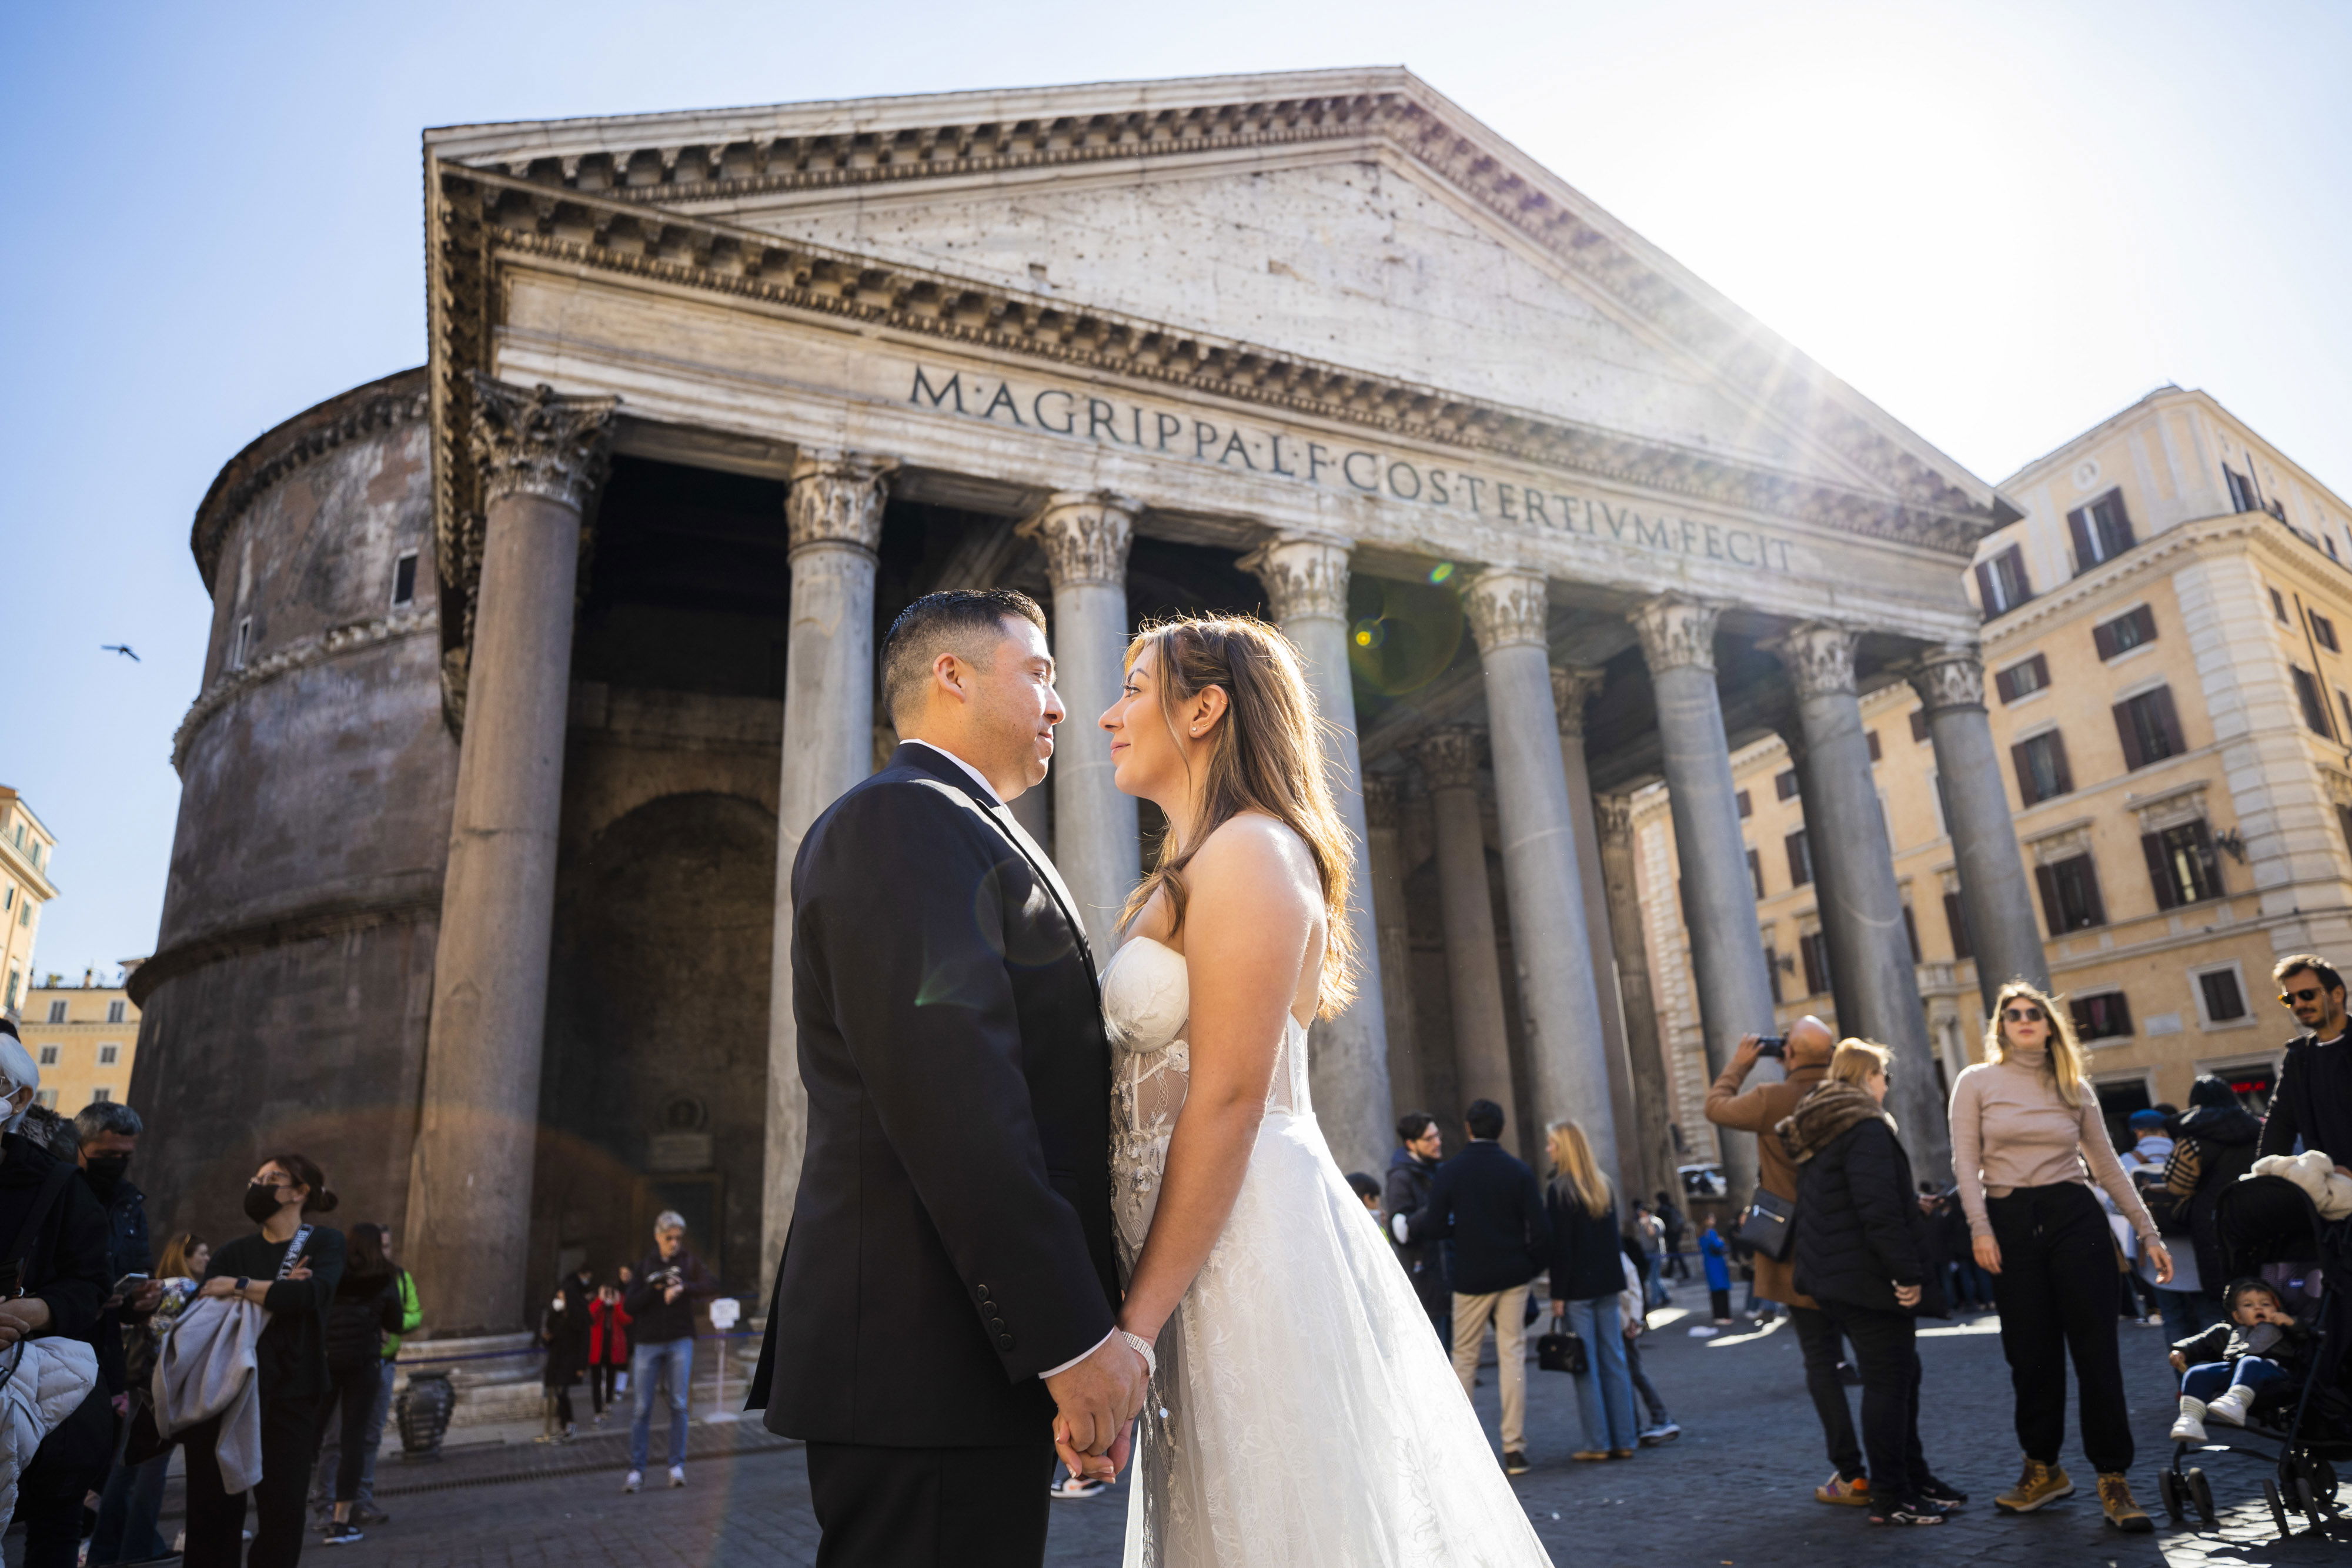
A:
(83, 1038)
(25, 849)
(2169, 688)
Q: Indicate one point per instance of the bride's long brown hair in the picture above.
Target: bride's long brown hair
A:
(1265, 757)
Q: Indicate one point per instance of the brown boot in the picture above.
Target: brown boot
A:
(2036, 1485)
(2123, 1513)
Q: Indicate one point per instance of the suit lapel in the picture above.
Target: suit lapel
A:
(931, 761)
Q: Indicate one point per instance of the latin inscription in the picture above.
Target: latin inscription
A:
(1363, 471)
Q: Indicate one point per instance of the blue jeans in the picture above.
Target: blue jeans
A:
(2187, 1312)
(674, 1364)
(2209, 1380)
(127, 1512)
(1605, 1394)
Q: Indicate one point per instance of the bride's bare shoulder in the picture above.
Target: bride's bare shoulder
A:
(1252, 854)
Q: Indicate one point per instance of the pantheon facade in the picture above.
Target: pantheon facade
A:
(530, 666)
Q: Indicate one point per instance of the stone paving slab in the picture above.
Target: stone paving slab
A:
(1735, 1492)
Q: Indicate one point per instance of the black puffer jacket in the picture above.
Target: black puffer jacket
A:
(1859, 1229)
(2217, 1146)
(364, 1308)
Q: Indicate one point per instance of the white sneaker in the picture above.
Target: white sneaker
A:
(2231, 1408)
(636, 1479)
(678, 1475)
(2190, 1428)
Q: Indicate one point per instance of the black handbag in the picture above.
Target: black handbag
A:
(1768, 1224)
(1562, 1353)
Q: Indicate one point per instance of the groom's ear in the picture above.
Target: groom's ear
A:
(952, 675)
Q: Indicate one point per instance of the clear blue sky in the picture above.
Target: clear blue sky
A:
(2002, 222)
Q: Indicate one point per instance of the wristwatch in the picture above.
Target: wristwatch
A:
(242, 1281)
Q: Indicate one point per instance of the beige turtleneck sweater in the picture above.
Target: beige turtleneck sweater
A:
(2010, 1129)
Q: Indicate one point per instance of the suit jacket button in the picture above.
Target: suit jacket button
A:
(982, 1291)
(989, 1310)
(1004, 1342)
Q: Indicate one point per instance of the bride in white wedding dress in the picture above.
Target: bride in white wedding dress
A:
(1302, 1414)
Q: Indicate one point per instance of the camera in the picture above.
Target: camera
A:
(1772, 1045)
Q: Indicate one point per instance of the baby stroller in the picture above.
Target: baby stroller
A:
(2269, 1229)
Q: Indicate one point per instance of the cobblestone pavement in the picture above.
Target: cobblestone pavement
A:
(1734, 1492)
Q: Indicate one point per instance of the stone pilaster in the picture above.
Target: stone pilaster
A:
(833, 523)
(1448, 759)
(1644, 1042)
(1735, 993)
(2004, 929)
(1385, 847)
(1861, 905)
(542, 457)
(1572, 689)
(1306, 579)
(1086, 535)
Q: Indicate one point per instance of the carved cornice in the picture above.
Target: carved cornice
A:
(1677, 631)
(479, 215)
(1306, 575)
(334, 918)
(381, 407)
(1449, 756)
(531, 442)
(1384, 803)
(1819, 656)
(299, 655)
(1572, 687)
(1951, 677)
(683, 163)
(1508, 608)
(837, 499)
(1084, 535)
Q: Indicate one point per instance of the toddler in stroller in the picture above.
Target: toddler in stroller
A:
(2224, 1369)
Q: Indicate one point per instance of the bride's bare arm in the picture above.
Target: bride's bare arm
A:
(1251, 914)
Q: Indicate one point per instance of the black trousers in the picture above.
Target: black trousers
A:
(929, 1508)
(71, 1463)
(356, 1388)
(1886, 1354)
(1818, 1337)
(2056, 1294)
(289, 1445)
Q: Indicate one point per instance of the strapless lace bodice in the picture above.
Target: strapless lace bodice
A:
(1147, 1001)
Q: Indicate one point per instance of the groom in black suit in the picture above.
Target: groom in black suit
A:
(949, 1284)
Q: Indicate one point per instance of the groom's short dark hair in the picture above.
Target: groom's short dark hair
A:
(950, 622)
(1485, 1119)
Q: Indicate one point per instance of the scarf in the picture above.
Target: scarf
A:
(1822, 1117)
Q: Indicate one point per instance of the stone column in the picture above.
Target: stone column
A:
(469, 1229)
(1473, 971)
(833, 522)
(1859, 900)
(1084, 536)
(1653, 1096)
(2004, 929)
(1385, 850)
(1306, 579)
(1735, 994)
(1567, 1049)
(1570, 690)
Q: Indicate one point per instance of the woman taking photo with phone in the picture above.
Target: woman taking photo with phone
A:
(2027, 1142)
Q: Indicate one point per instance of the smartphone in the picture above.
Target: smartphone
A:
(128, 1283)
(1772, 1045)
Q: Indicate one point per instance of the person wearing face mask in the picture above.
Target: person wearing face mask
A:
(58, 1257)
(290, 1267)
(2028, 1139)
(106, 1134)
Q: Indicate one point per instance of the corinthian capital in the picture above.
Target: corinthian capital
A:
(1508, 608)
(1084, 535)
(1950, 676)
(1306, 575)
(836, 498)
(1572, 687)
(534, 442)
(1677, 631)
(1614, 816)
(1819, 655)
(1449, 757)
(1383, 798)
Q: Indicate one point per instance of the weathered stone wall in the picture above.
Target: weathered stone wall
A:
(285, 1004)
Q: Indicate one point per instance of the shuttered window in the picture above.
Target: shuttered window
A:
(2225, 999)
(2026, 675)
(1955, 921)
(2001, 582)
(2070, 894)
(1756, 873)
(1918, 724)
(2106, 1016)
(2148, 728)
(2181, 865)
(1870, 736)
(1801, 859)
(1911, 931)
(1813, 948)
(1784, 784)
(1746, 807)
(2314, 707)
(2125, 633)
(2101, 530)
(2323, 631)
(2041, 771)
(1773, 970)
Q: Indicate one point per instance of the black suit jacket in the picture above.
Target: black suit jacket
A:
(1486, 1200)
(953, 1237)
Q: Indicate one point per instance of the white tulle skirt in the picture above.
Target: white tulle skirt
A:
(1303, 1415)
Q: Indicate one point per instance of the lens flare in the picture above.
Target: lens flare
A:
(1441, 571)
(1401, 634)
(1371, 634)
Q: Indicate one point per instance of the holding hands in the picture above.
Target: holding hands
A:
(1095, 1402)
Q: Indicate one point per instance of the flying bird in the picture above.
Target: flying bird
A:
(121, 648)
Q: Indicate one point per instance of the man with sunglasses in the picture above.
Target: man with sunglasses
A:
(2313, 1101)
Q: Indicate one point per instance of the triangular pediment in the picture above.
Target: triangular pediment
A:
(1353, 219)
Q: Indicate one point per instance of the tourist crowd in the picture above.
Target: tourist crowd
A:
(2045, 1225)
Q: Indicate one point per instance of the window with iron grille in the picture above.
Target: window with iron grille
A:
(108, 1055)
(2070, 894)
(2041, 771)
(2148, 728)
(2181, 865)
(2106, 1016)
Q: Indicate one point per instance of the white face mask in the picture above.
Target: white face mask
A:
(17, 1112)
(557, 1304)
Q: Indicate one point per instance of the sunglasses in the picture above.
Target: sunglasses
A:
(2308, 994)
(2024, 1015)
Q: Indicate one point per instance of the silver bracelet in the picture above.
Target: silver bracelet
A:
(1142, 1347)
